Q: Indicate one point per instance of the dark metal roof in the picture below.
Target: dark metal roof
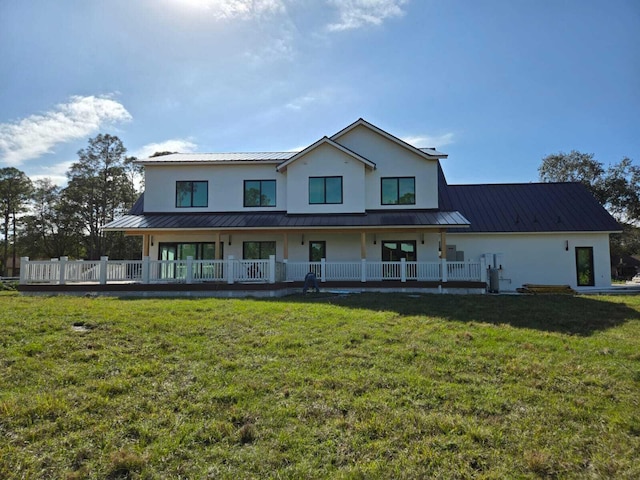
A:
(257, 220)
(516, 208)
(527, 207)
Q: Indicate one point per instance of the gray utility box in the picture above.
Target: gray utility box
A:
(494, 280)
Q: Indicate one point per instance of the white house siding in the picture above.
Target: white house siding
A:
(326, 161)
(393, 160)
(226, 186)
(537, 258)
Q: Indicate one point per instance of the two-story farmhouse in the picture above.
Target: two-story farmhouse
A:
(367, 206)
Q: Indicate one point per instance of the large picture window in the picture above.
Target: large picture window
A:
(325, 190)
(258, 250)
(398, 190)
(259, 193)
(192, 194)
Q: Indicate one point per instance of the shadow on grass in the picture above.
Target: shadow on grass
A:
(553, 313)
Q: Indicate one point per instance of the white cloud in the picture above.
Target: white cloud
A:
(361, 13)
(231, 9)
(178, 145)
(428, 141)
(57, 173)
(37, 135)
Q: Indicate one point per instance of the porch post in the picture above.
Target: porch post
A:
(24, 270)
(443, 244)
(189, 278)
(483, 269)
(63, 268)
(363, 270)
(145, 245)
(444, 270)
(145, 269)
(403, 270)
(272, 269)
(230, 265)
(218, 252)
(285, 246)
(323, 262)
(103, 270)
(363, 245)
(443, 253)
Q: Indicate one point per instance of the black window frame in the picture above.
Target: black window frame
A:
(323, 243)
(244, 193)
(261, 243)
(397, 179)
(192, 182)
(324, 190)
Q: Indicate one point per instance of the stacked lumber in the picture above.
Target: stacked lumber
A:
(546, 289)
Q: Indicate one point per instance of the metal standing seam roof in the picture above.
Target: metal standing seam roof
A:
(254, 220)
(267, 157)
(527, 207)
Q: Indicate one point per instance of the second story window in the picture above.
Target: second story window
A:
(398, 190)
(325, 190)
(192, 194)
(259, 193)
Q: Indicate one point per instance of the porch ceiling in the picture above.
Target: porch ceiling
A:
(372, 220)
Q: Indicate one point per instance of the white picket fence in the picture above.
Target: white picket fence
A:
(62, 271)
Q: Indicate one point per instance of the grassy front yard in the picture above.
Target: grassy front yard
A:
(362, 386)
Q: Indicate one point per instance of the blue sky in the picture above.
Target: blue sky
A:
(495, 84)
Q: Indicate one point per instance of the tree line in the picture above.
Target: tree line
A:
(43, 220)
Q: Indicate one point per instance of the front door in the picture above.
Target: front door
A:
(584, 267)
(394, 251)
(168, 251)
(317, 251)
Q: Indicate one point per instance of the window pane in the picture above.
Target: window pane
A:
(208, 251)
(183, 194)
(316, 190)
(187, 250)
(334, 190)
(251, 250)
(389, 191)
(200, 194)
(407, 193)
(252, 193)
(316, 251)
(267, 248)
(268, 197)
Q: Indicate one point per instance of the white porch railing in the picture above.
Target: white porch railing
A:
(62, 271)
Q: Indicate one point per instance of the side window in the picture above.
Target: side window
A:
(398, 191)
(259, 193)
(192, 194)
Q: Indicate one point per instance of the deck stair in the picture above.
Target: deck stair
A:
(546, 289)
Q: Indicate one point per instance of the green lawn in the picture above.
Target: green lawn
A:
(361, 386)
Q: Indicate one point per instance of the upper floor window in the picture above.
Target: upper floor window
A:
(192, 194)
(259, 193)
(398, 190)
(325, 190)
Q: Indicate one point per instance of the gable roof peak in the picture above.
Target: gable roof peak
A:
(424, 153)
(328, 141)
